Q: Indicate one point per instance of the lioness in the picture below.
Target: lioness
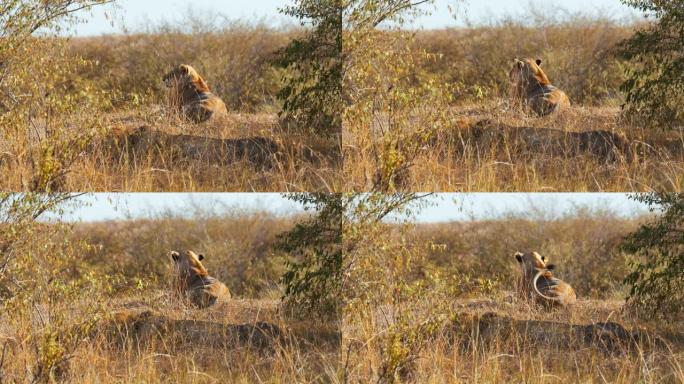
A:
(537, 281)
(191, 280)
(531, 87)
(191, 95)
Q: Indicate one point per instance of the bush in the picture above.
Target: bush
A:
(45, 116)
(656, 279)
(312, 89)
(40, 280)
(655, 85)
(313, 279)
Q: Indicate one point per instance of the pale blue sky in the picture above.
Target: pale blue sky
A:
(448, 207)
(136, 14)
(113, 206)
(483, 11)
(479, 206)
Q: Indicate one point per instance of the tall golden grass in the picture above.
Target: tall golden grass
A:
(432, 136)
(120, 321)
(503, 340)
(121, 76)
(233, 56)
(452, 315)
(540, 158)
(577, 53)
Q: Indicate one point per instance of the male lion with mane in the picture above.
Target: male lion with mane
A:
(191, 280)
(531, 87)
(191, 95)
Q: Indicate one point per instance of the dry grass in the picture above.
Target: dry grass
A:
(122, 77)
(504, 340)
(301, 163)
(538, 159)
(133, 329)
(468, 325)
(154, 338)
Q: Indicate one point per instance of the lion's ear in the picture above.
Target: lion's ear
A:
(538, 61)
(184, 69)
(200, 257)
(518, 256)
(175, 255)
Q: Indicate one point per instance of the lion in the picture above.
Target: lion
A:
(191, 280)
(191, 95)
(537, 281)
(531, 87)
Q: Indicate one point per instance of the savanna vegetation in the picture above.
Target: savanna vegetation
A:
(71, 107)
(421, 110)
(437, 302)
(85, 302)
(352, 290)
(430, 109)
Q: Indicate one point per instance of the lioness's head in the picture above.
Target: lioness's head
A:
(184, 75)
(531, 263)
(188, 264)
(527, 71)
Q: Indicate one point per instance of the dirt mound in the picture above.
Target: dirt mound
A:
(142, 324)
(491, 327)
(145, 325)
(147, 143)
(487, 136)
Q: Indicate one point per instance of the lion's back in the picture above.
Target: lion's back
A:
(205, 107)
(211, 292)
(549, 102)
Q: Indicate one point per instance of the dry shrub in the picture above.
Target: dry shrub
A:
(443, 311)
(40, 279)
(234, 58)
(90, 302)
(578, 55)
(237, 247)
(576, 244)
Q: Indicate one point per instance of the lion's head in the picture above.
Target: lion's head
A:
(527, 71)
(531, 262)
(183, 76)
(187, 265)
